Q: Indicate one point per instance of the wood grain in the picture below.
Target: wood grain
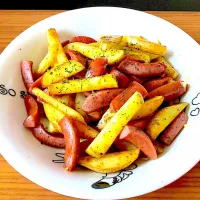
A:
(13, 186)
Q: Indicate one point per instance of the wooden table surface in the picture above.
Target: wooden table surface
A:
(13, 186)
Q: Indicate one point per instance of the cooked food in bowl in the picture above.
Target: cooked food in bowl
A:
(107, 102)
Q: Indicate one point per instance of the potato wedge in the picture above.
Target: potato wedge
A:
(148, 107)
(124, 145)
(67, 99)
(145, 45)
(112, 129)
(151, 55)
(61, 57)
(47, 60)
(137, 55)
(51, 128)
(48, 125)
(111, 162)
(170, 70)
(83, 85)
(124, 41)
(57, 104)
(61, 72)
(54, 115)
(106, 42)
(79, 100)
(104, 119)
(51, 56)
(95, 44)
(93, 52)
(54, 39)
(163, 118)
(143, 54)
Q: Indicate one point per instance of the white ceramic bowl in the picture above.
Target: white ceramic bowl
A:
(35, 161)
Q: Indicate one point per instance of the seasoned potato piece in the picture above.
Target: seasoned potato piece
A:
(57, 104)
(112, 129)
(137, 55)
(148, 107)
(145, 45)
(67, 99)
(83, 85)
(48, 125)
(47, 60)
(55, 56)
(149, 56)
(124, 145)
(61, 72)
(79, 100)
(104, 119)
(163, 118)
(111, 162)
(92, 52)
(53, 115)
(170, 70)
(60, 56)
(106, 42)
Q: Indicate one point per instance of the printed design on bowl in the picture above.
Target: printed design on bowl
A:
(60, 158)
(195, 102)
(109, 180)
(11, 92)
(5, 91)
(106, 180)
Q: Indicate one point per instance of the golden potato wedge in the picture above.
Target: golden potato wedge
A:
(47, 61)
(53, 38)
(79, 99)
(51, 128)
(51, 56)
(57, 104)
(83, 85)
(66, 99)
(137, 55)
(54, 115)
(124, 145)
(111, 162)
(142, 53)
(61, 57)
(104, 119)
(163, 118)
(61, 72)
(148, 107)
(170, 70)
(112, 129)
(95, 44)
(48, 125)
(114, 56)
(124, 41)
(68, 47)
(92, 52)
(145, 45)
(106, 42)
